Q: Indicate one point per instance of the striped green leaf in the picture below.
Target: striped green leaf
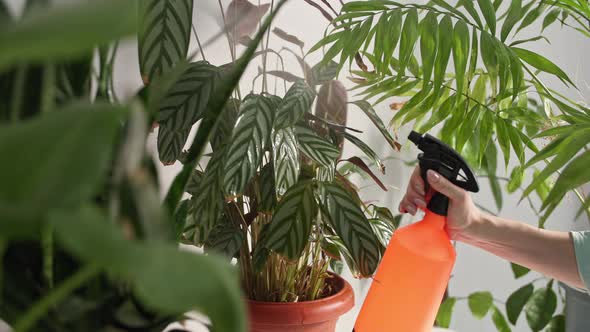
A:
(383, 230)
(267, 189)
(186, 101)
(291, 223)
(250, 135)
(315, 147)
(297, 101)
(170, 143)
(351, 225)
(226, 123)
(226, 238)
(208, 201)
(164, 35)
(192, 187)
(285, 158)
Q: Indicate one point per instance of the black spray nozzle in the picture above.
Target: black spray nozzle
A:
(441, 158)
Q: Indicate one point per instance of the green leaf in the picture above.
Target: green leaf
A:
(226, 123)
(226, 238)
(250, 136)
(445, 312)
(557, 324)
(532, 16)
(208, 200)
(550, 18)
(336, 266)
(489, 13)
(386, 215)
(468, 4)
(324, 72)
(355, 6)
(514, 15)
(374, 117)
(408, 39)
(171, 143)
(491, 163)
(460, 55)
(267, 200)
(351, 225)
(372, 155)
(315, 147)
(540, 307)
(49, 34)
(391, 38)
(518, 270)
(490, 58)
(540, 62)
(480, 303)
(428, 44)
(286, 159)
(499, 320)
(193, 281)
(382, 230)
(57, 160)
(187, 100)
(573, 175)
(297, 101)
(291, 223)
(503, 138)
(445, 43)
(164, 35)
(516, 302)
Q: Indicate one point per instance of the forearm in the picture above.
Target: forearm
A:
(548, 252)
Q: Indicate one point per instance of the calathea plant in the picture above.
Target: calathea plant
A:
(272, 194)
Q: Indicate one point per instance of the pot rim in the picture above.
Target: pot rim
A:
(306, 312)
(341, 293)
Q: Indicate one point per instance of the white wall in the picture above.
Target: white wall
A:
(475, 270)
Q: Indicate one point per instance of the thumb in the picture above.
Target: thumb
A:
(444, 186)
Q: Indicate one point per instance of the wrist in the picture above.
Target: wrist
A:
(471, 234)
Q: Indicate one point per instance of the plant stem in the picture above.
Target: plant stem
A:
(199, 42)
(226, 29)
(28, 320)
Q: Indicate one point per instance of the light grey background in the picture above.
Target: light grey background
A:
(475, 270)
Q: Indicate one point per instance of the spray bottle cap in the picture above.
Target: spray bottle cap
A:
(447, 162)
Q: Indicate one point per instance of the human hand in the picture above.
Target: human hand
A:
(462, 213)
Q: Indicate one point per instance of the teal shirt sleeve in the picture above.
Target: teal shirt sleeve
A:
(582, 249)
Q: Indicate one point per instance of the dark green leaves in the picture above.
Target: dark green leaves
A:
(480, 303)
(540, 62)
(285, 158)
(445, 44)
(460, 55)
(352, 227)
(428, 44)
(215, 292)
(170, 143)
(297, 101)
(65, 32)
(410, 33)
(292, 221)
(514, 15)
(557, 324)
(516, 302)
(540, 307)
(489, 13)
(315, 147)
(250, 136)
(374, 117)
(519, 271)
(445, 312)
(164, 35)
(57, 160)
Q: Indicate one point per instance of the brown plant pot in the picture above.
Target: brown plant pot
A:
(309, 316)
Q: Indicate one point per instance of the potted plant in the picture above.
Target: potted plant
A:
(86, 244)
(275, 193)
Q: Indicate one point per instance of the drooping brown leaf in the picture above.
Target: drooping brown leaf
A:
(243, 17)
(288, 37)
(362, 165)
(332, 106)
(282, 74)
(357, 80)
(360, 63)
(396, 106)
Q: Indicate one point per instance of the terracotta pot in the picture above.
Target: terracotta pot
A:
(309, 316)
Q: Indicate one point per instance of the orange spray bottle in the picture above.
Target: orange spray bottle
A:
(411, 280)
